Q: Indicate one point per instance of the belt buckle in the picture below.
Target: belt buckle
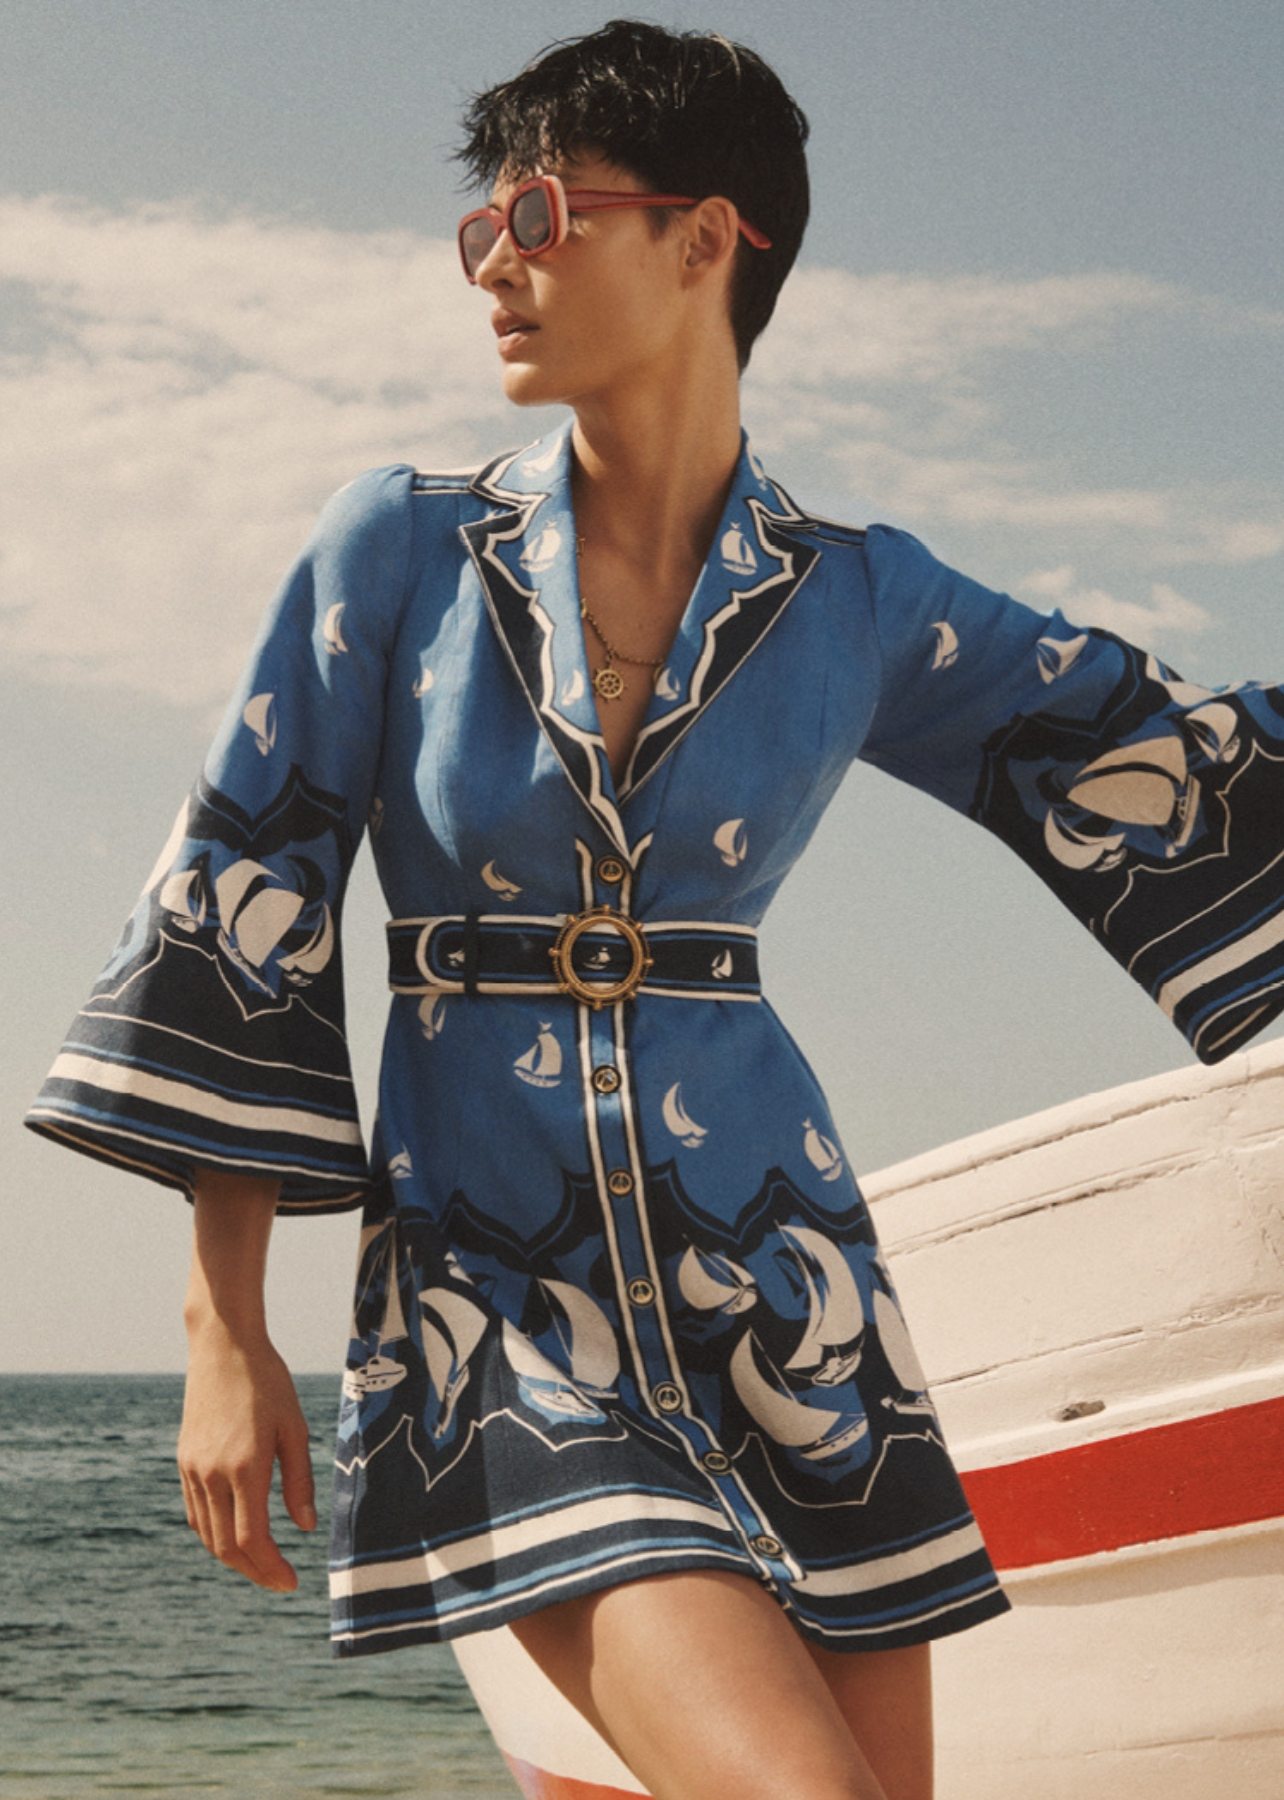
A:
(600, 993)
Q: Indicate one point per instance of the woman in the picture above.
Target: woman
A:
(627, 1369)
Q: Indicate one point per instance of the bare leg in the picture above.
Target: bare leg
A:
(886, 1698)
(700, 1683)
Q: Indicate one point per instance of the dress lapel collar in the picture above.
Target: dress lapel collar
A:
(753, 570)
(524, 552)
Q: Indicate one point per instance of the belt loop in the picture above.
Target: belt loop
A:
(470, 952)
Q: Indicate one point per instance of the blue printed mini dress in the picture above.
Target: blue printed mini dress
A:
(619, 1304)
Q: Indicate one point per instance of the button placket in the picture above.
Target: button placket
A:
(611, 870)
(627, 1201)
(624, 1198)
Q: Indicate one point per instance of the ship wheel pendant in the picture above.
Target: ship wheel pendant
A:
(608, 682)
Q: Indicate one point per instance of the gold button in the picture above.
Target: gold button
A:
(610, 868)
(606, 1078)
(667, 1397)
(620, 1181)
(641, 1293)
(716, 1462)
(769, 1546)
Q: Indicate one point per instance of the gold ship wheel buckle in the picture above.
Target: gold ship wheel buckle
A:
(600, 993)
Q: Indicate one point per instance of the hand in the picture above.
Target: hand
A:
(240, 1415)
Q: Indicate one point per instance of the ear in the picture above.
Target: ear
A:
(709, 241)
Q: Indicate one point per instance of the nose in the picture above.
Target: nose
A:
(499, 265)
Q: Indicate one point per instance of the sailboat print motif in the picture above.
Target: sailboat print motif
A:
(260, 716)
(543, 461)
(814, 1432)
(541, 1065)
(945, 647)
(432, 1015)
(1215, 729)
(679, 1121)
(711, 1282)
(331, 631)
(737, 557)
(902, 1358)
(499, 884)
(183, 897)
(732, 842)
(1075, 849)
(822, 1328)
(1057, 656)
(379, 1371)
(829, 1351)
(1146, 791)
(453, 1325)
(272, 933)
(542, 553)
(822, 1152)
(586, 1367)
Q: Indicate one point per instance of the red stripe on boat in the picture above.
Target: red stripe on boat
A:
(538, 1784)
(1225, 1468)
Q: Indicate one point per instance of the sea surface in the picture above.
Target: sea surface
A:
(133, 1663)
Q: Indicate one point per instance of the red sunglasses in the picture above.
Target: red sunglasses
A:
(538, 214)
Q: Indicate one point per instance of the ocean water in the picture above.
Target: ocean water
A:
(133, 1663)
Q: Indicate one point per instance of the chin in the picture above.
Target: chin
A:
(525, 385)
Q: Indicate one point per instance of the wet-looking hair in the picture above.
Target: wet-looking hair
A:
(685, 112)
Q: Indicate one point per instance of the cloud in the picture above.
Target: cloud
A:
(183, 388)
(879, 329)
(197, 387)
(1140, 621)
(993, 491)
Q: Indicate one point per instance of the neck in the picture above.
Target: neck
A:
(653, 465)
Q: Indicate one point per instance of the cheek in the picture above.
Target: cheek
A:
(629, 317)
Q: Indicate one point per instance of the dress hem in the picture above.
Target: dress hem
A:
(346, 1195)
(991, 1602)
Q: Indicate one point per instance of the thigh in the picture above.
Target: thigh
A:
(699, 1682)
(886, 1698)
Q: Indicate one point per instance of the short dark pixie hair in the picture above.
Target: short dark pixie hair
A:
(686, 112)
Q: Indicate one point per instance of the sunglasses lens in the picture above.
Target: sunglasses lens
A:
(532, 220)
(477, 240)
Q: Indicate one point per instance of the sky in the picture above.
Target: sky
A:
(1037, 320)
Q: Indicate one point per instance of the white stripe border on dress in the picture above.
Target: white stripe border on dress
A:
(181, 1097)
(901, 1565)
(1246, 949)
(517, 1538)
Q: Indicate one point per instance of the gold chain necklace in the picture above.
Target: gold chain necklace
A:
(607, 681)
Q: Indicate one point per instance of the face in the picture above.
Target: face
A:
(606, 308)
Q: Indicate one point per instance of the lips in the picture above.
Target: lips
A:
(507, 323)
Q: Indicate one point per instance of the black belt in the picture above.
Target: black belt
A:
(598, 956)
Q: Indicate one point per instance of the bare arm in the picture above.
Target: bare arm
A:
(240, 1410)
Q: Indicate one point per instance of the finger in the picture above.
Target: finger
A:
(189, 1504)
(296, 1475)
(222, 1519)
(201, 1507)
(253, 1537)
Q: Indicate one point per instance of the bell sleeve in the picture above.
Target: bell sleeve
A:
(1151, 806)
(215, 1033)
